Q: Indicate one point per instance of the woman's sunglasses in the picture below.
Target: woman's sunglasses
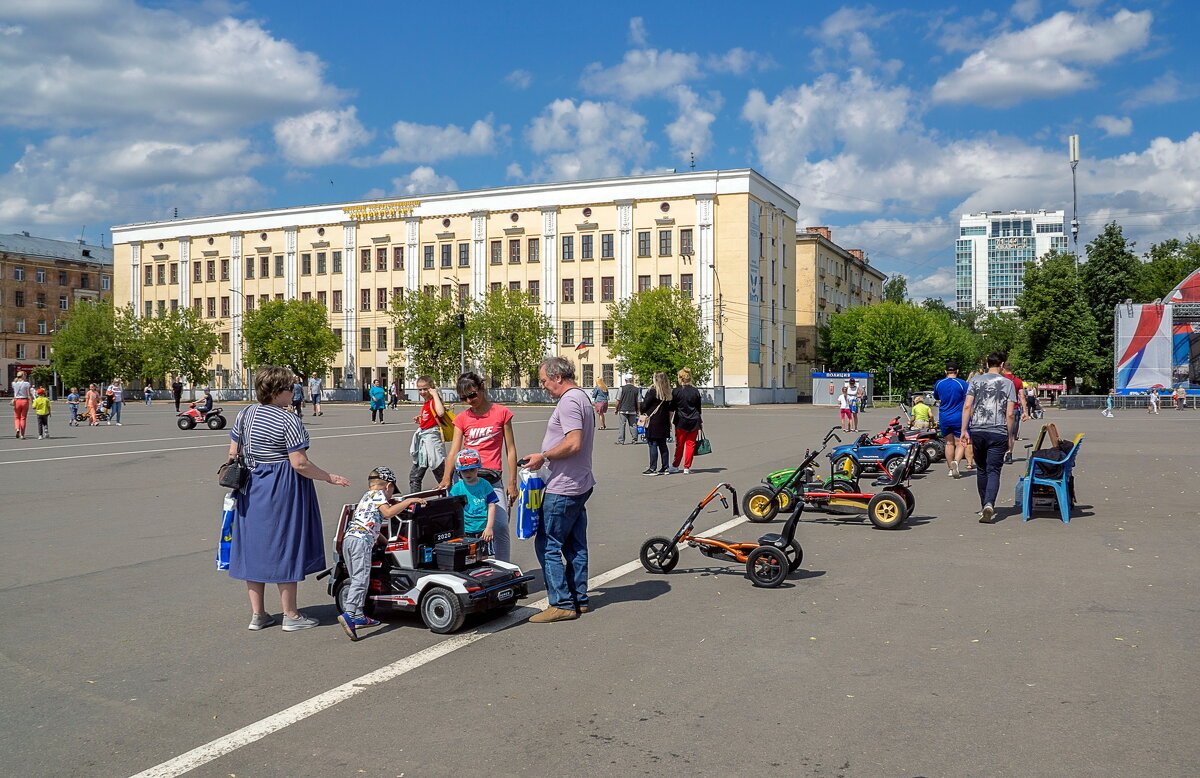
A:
(471, 396)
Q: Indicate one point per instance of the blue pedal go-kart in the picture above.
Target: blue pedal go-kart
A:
(854, 459)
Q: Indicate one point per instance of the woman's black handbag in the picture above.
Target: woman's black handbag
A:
(234, 474)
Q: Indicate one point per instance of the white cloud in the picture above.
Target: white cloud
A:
(642, 73)
(587, 140)
(422, 180)
(519, 79)
(1164, 89)
(1043, 60)
(1113, 126)
(936, 284)
(319, 137)
(844, 28)
(430, 143)
(1026, 10)
(515, 171)
(637, 31)
(691, 132)
(738, 61)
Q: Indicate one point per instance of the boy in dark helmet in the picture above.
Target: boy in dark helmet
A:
(361, 533)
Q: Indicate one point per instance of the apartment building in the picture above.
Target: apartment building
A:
(991, 252)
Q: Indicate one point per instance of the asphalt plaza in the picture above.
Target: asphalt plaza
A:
(947, 648)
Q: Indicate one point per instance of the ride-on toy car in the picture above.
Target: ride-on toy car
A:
(888, 509)
(767, 561)
(193, 416)
(425, 565)
(863, 455)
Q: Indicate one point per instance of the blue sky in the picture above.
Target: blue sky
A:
(886, 121)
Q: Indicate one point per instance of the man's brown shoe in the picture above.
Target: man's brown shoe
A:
(554, 614)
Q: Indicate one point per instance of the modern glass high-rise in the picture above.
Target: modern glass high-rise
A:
(991, 252)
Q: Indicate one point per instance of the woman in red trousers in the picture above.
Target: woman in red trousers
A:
(686, 399)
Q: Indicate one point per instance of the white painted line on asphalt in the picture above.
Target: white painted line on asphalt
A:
(252, 733)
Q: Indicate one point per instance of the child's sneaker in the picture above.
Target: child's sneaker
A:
(351, 624)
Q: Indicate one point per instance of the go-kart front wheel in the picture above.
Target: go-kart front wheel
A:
(767, 566)
(921, 462)
(847, 467)
(441, 611)
(186, 423)
(759, 504)
(892, 464)
(906, 494)
(795, 555)
(887, 510)
(659, 555)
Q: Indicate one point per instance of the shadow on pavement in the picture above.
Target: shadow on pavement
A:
(640, 591)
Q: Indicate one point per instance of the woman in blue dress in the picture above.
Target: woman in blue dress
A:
(378, 397)
(277, 535)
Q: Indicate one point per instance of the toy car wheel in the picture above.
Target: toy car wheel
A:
(186, 423)
(784, 500)
(795, 555)
(846, 466)
(887, 510)
(758, 504)
(906, 494)
(339, 598)
(843, 486)
(934, 451)
(441, 611)
(216, 423)
(659, 555)
(921, 461)
(767, 566)
(892, 464)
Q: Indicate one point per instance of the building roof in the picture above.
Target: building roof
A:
(24, 244)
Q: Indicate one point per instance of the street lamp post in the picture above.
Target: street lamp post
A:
(1073, 153)
(461, 320)
(719, 337)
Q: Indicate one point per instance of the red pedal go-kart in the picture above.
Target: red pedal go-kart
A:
(193, 416)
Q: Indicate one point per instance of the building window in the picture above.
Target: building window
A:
(322, 263)
(62, 278)
(514, 286)
(381, 259)
(224, 269)
(585, 247)
(568, 333)
(20, 325)
(224, 307)
(364, 300)
(42, 327)
(664, 280)
(464, 255)
(337, 301)
(445, 291)
(514, 252)
(279, 296)
(535, 291)
(322, 298)
(212, 307)
(1041, 228)
(279, 266)
(381, 336)
(41, 300)
(685, 284)
(588, 333)
(464, 293)
(496, 286)
(568, 248)
(62, 302)
(41, 275)
(606, 333)
(972, 230)
(263, 299)
(644, 244)
(607, 289)
(365, 263)
(606, 246)
(20, 351)
(306, 264)
(398, 294)
(149, 276)
(160, 275)
(397, 257)
(195, 272)
(197, 305)
(568, 290)
(224, 342)
(175, 305)
(249, 303)
(427, 258)
(643, 283)
(664, 243)
(685, 242)
(497, 252)
(175, 273)
(364, 339)
(589, 374)
(210, 270)
(608, 374)
(106, 283)
(534, 250)
(447, 259)
(381, 299)
(336, 258)
(587, 290)
(18, 273)
(264, 268)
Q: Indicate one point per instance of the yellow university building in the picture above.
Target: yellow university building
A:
(727, 238)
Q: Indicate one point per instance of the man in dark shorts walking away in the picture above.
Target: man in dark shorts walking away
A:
(950, 393)
(987, 426)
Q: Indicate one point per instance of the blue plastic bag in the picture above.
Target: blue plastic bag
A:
(226, 541)
(529, 502)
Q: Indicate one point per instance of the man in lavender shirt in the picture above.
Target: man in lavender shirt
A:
(561, 541)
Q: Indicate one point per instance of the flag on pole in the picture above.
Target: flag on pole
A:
(583, 346)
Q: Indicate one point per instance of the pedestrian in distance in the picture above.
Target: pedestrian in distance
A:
(394, 395)
(92, 398)
(428, 450)
(844, 415)
(116, 394)
(177, 392)
(378, 402)
(362, 531)
(314, 394)
(277, 536)
(628, 402)
(41, 408)
(298, 396)
(1180, 397)
(148, 393)
(685, 401)
(1152, 402)
(21, 397)
(922, 414)
(73, 407)
(1109, 401)
(988, 421)
(656, 408)
(600, 400)
(949, 394)
(1021, 413)
(561, 540)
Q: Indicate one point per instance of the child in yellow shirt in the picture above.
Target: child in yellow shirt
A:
(41, 406)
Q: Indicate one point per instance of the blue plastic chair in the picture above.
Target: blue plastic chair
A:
(1062, 483)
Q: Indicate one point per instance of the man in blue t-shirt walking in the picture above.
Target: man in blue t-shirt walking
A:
(950, 393)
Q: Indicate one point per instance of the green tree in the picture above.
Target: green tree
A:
(84, 343)
(290, 333)
(1060, 331)
(1165, 265)
(1002, 332)
(427, 325)
(182, 343)
(906, 337)
(837, 341)
(510, 334)
(1107, 278)
(132, 344)
(659, 329)
(938, 305)
(895, 289)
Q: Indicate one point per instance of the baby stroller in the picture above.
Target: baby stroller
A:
(1034, 407)
(85, 417)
